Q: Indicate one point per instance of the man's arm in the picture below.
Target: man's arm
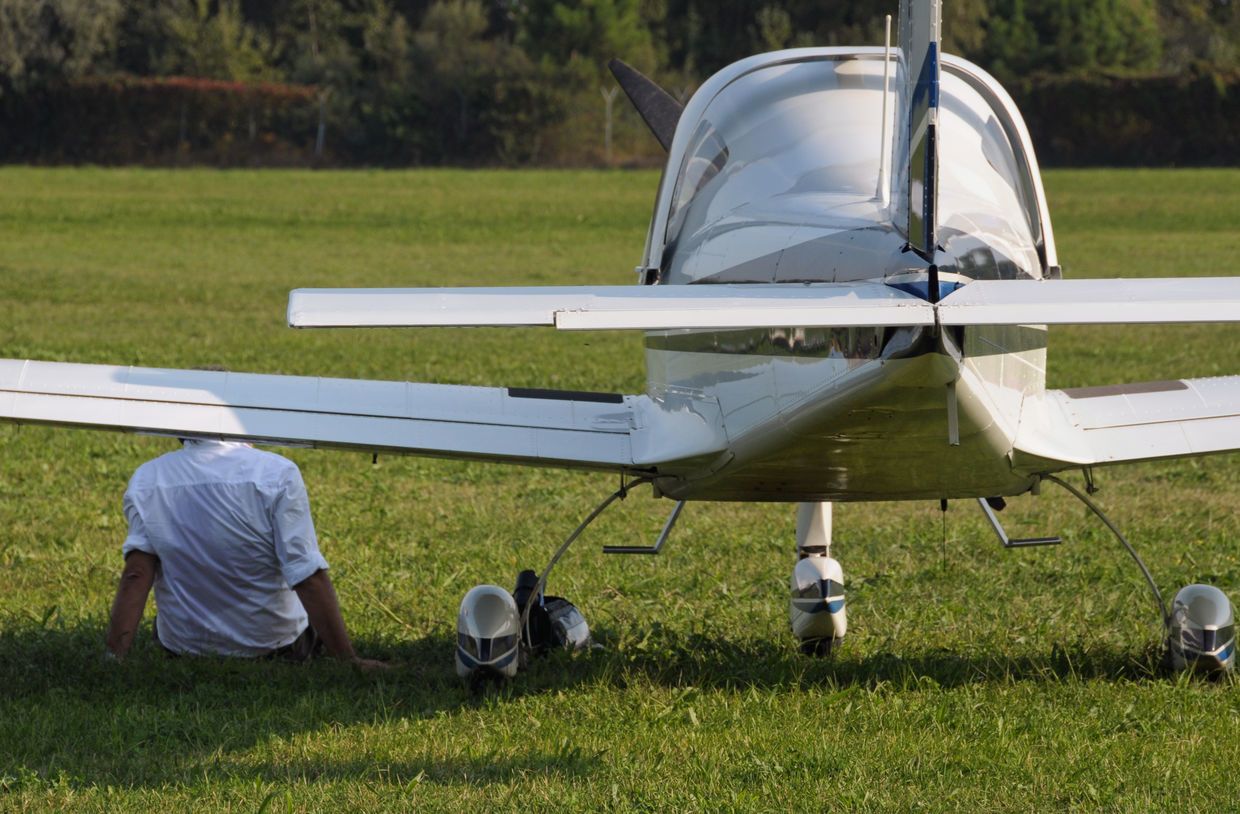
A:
(318, 597)
(131, 594)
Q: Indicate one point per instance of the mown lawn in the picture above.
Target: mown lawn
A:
(973, 679)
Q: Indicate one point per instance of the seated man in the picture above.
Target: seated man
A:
(223, 531)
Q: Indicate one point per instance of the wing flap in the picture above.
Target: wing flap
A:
(613, 307)
(1093, 302)
(1126, 423)
(533, 427)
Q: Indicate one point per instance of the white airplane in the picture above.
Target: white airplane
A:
(845, 294)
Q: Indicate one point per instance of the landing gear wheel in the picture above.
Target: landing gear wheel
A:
(816, 609)
(481, 681)
(818, 648)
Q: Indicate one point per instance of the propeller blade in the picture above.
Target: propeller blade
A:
(658, 108)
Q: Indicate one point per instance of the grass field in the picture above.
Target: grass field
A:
(974, 678)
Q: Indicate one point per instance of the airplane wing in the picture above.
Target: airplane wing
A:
(838, 305)
(580, 430)
(1094, 426)
(1093, 302)
(658, 307)
(661, 432)
(1090, 426)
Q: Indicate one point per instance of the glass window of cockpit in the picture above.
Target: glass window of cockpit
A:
(986, 185)
(799, 145)
(706, 156)
(1002, 157)
(807, 127)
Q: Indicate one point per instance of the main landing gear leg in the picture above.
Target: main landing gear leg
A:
(816, 610)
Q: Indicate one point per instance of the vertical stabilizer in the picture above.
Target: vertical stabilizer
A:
(919, 53)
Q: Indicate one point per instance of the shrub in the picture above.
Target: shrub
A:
(131, 120)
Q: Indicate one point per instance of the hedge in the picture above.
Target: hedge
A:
(1186, 120)
(134, 120)
(1189, 120)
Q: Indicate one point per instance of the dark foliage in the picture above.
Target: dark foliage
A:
(170, 120)
(1187, 120)
(399, 82)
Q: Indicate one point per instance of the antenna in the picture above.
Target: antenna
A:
(884, 189)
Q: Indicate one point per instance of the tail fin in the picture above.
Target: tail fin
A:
(919, 56)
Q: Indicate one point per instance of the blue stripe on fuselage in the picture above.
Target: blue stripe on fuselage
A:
(921, 288)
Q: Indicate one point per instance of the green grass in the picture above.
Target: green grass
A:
(973, 679)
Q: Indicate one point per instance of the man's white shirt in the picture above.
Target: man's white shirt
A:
(232, 530)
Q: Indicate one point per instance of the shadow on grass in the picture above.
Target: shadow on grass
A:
(676, 659)
(72, 716)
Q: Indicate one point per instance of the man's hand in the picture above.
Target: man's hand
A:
(135, 585)
(318, 597)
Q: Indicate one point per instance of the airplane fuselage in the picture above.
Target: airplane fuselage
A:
(779, 173)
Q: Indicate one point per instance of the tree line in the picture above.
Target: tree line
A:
(398, 82)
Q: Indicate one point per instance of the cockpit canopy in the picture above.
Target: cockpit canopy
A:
(777, 177)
